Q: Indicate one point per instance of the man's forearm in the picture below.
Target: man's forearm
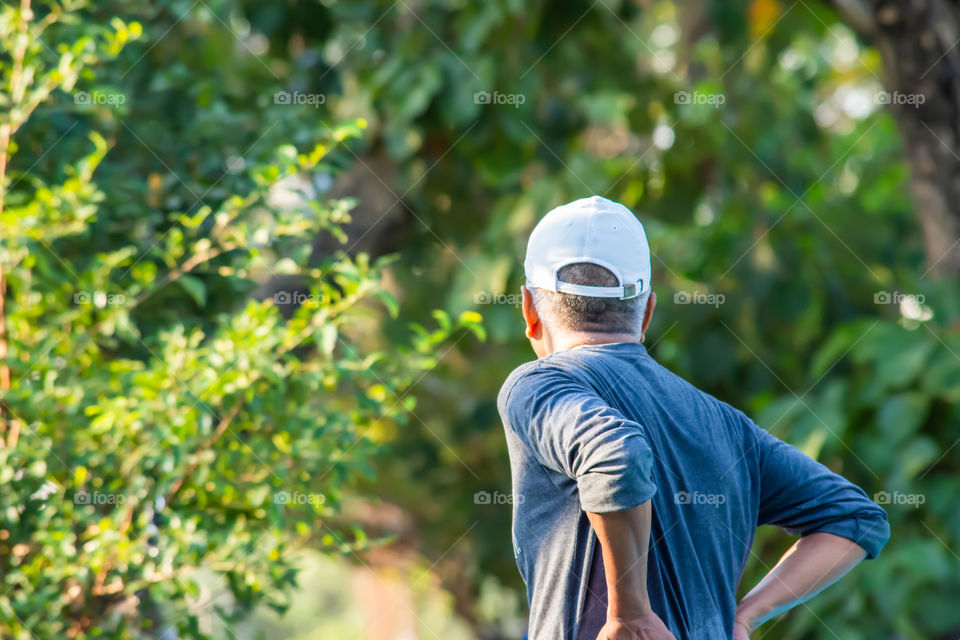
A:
(815, 562)
(624, 538)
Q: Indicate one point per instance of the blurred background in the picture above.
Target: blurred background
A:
(260, 266)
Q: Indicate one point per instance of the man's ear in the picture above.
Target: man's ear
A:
(530, 316)
(647, 315)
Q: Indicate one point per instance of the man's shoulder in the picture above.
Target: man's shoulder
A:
(532, 375)
(516, 376)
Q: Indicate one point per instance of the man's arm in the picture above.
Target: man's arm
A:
(815, 562)
(624, 540)
(839, 525)
(571, 430)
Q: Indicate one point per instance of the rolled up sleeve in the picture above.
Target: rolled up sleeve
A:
(803, 496)
(571, 430)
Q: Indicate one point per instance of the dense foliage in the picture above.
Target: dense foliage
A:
(163, 418)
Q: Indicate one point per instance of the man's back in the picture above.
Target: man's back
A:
(605, 428)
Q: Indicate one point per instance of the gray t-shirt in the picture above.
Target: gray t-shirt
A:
(605, 428)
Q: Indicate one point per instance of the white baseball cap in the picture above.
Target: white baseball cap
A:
(593, 230)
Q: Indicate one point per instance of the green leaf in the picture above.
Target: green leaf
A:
(195, 288)
(443, 319)
(473, 322)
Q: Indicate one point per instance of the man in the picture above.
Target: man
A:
(640, 493)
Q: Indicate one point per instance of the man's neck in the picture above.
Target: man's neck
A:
(587, 338)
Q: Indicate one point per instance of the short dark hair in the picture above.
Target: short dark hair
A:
(584, 313)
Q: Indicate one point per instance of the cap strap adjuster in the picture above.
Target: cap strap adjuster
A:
(622, 292)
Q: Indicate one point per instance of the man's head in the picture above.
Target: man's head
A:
(588, 277)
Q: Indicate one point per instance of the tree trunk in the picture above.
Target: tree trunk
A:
(918, 42)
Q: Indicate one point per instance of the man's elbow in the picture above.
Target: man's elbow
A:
(868, 528)
(872, 531)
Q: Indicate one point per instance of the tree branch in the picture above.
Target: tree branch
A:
(218, 432)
